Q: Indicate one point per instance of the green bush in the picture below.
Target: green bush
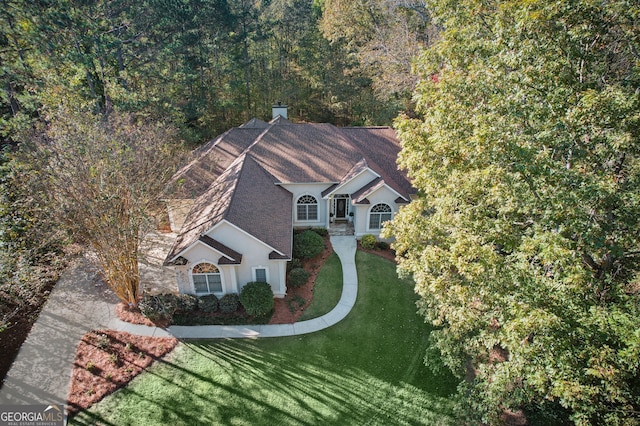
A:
(208, 303)
(298, 277)
(158, 307)
(307, 244)
(229, 303)
(293, 264)
(321, 231)
(257, 298)
(368, 241)
(186, 303)
(383, 245)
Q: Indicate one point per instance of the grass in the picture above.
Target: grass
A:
(368, 369)
(327, 289)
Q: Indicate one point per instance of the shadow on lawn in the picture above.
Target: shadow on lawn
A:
(262, 388)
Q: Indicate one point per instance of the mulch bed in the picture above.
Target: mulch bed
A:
(387, 254)
(107, 360)
(288, 309)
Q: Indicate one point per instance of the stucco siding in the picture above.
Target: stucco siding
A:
(315, 190)
(381, 195)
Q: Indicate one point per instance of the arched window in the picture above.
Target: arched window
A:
(379, 214)
(307, 208)
(206, 278)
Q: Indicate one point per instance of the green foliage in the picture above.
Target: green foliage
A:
(203, 65)
(368, 241)
(208, 303)
(321, 231)
(382, 245)
(293, 264)
(257, 298)
(297, 277)
(229, 303)
(524, 237)
(307, 244)
(186, 303)
(159, 307)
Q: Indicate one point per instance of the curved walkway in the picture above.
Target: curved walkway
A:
(81, 302)
(345, 248)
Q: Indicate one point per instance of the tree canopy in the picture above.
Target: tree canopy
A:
(524, 239)
(205, 65)
(103, 179)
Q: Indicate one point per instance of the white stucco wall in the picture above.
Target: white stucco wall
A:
(234, 277)
(314, 189)
(361, 221)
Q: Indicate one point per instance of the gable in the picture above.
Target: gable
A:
(238, 196)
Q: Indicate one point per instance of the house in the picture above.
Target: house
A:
(236, 204)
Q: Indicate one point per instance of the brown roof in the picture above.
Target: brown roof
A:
(211, 160)
(235, 175)
(380, 147)
(237, 196)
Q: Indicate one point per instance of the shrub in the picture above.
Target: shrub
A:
(368, 241)
(229, 303)
(186, 303)
(307, 244)
(383, 245)
(298, 277)
(208, 303)
(293, 264)
(158, 307)
(321, 231)
(257, 298)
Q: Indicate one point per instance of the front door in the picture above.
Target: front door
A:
(341, 208)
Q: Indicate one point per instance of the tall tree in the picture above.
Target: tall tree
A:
(104, 178)
(384, 35)
(524, 239)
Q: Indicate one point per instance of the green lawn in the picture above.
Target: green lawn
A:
(327, 289)
(368, 369)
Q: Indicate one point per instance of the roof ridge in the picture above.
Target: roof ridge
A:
(242, 163)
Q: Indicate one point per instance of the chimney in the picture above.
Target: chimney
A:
(279, 110)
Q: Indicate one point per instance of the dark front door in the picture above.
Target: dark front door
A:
(341, 208)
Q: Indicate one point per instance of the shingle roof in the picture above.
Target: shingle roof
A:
(237, 196)
(380, 147)
(211, 160)
(234, 177)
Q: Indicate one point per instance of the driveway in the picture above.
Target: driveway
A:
(79, 302)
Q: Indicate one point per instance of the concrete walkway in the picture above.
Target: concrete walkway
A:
(345, 248)
(81, 302)
(40, 374)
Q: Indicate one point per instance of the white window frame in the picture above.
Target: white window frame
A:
(306, 205)
(381, 222)
(255, 268)
(193, 284)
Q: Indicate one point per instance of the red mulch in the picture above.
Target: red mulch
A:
(132, 315)
(107, 360)
(387, 254)
(282, 313)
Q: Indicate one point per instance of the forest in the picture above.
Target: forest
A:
(208, 65)
(520, 129)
